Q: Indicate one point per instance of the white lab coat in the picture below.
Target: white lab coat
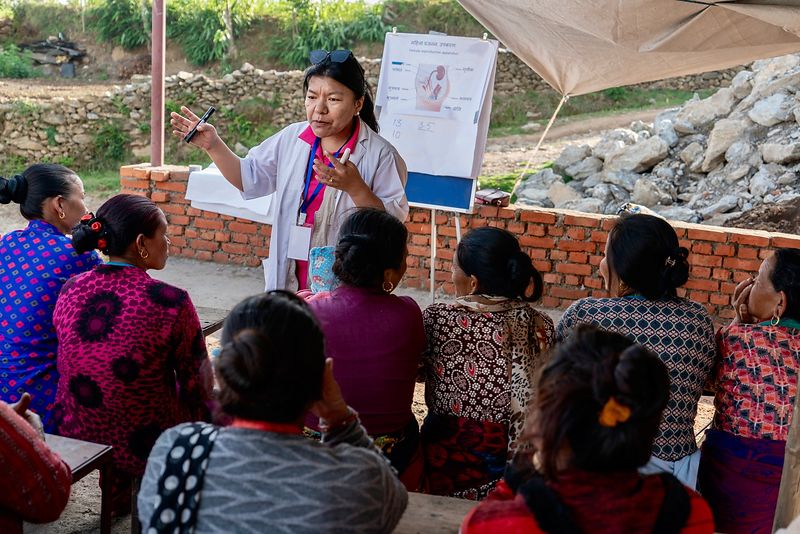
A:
(278, 165)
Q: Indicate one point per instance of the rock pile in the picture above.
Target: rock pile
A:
(707, 161)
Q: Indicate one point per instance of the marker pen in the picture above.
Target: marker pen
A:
(207, 115)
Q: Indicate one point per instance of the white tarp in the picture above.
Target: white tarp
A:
(208, 190)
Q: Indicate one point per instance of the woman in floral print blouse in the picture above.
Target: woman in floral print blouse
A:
(479, 364)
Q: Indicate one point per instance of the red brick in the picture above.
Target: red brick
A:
(193, 212)
(536, 253)
(703, 285)
(706, 261)
(750, 239)
(178, 219)
(580, 246)
(159, 175)
(708, 235)
(538, 242)
(699, 272)
(569, 293)
(235, 248)
(243, 228)
(582, 220)
(517, 228)
(599, 236)
(685, 243)
(572, 268)
(177, 241)
(173, 186)
(202, 244)
(721, 274)
(727, 288)
(488, 212)
(226, 217)
(209, 224)
(785, 242)
(595, 283)
(221, 257)
(142, 173)
(534, 216)
(595, 260)
(699, 296)
(236, 238)
(556, 231)
(129, 183)
(506, 213)
(418, 228)
(727, 313)
(558, 255)
(159, 196)
(764, 253)
(416, 250)
(543, 266)
(208, 235)
(175, 209)
(445, 253)
(747, 253)
(550, 302)
(578, 257)
(551, 278)
(720, 300)
(419, 215)
(738, 276)
(609, 223)
(680, 231)
(204, 255)
(537, 230)
(173, 230)
(421, 240)
(576, 233)
(701, 248)
(724, 250)
(571, 280)
(742, 265)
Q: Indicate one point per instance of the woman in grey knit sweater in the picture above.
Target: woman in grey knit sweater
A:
(260, 474)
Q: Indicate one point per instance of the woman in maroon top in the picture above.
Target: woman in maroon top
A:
(375, 338)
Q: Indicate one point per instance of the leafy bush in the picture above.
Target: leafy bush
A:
(123, 22)
(422, 16)
(110, 145)
(47, 17)
(327, 25)
(15, 63)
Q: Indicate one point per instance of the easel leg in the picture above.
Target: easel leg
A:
(458, 228)
(433, 256)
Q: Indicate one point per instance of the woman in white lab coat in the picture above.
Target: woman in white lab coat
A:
(306, 165)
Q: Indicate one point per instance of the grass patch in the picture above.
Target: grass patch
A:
(100, 181)
(509, 113)
(505, 181)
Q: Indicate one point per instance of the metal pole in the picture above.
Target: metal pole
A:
(433, 256)
(157, 84)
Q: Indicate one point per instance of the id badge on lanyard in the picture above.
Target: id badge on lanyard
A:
(300, 232)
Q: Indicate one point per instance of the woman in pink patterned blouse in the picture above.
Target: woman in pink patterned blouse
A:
(479, 364)
(756, 386)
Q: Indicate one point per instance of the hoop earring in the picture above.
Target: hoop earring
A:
(775, 320)
(391, 286)
(144, 254)
(61, 215)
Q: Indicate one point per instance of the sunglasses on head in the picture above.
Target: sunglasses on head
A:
(334, 56)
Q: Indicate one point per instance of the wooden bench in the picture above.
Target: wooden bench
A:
(83, 457)
(211, 319)
(432, 514)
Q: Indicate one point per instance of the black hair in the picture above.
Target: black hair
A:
(786, 277)
(118, 223)
(587, 370)
(272, 359)
(351, 74)
(643, 251)
(370, 241)
(36, 184)
(494, 257)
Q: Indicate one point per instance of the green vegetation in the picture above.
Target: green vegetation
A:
(110, 146)
(123, 22)
(505, 182)
(250, 121)
(510, 112)
(421, 16)
(101, 180)
(16, 63)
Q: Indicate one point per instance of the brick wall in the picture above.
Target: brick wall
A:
(565, 246)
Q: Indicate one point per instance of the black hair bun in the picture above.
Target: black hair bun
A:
(642, 381)
(13, 189)
(676, 269)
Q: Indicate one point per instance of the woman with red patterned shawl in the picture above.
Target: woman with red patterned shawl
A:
(756, 386)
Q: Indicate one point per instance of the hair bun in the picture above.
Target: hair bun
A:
(642, 380)
(13, 189)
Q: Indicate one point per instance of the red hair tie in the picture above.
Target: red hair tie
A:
(86, 217)
(96, 226)
(101, 244)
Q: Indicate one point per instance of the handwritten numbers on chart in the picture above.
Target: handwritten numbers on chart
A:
(397, 124)
(425, 126)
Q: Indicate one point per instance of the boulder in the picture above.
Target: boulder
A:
(742, 152)
(585, 168)
(742, 84)
(725, 132)
(763, 182)
(639, 157)
(772, 110)
(780, 153)
(541, 180)
(531, 127)
(647, 193)
(697, 115)
(666, 131)
(723, 205)
(586, 205)
(559, 193)
(692, 156)
(678, 213)
(570, 156)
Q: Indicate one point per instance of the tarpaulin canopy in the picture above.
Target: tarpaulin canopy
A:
(582, 46)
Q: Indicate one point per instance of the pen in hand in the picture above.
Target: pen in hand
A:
(207, 115)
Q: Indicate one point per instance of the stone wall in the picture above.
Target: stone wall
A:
(566, 246)
(66, 129)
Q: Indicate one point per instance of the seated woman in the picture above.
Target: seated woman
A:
(598, 404)
(261, 474)
(479, 366)
(131, 354)
(36, 481)
(642, 269)
(756, 388)
(34, 264)
(375, 338)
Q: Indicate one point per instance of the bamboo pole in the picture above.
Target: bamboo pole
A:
(788, 506)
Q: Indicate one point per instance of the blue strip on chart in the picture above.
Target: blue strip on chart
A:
(445, 191)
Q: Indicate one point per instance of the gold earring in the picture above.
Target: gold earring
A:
(390, 288)
(61, 215)
(775, 319)
(144, 254)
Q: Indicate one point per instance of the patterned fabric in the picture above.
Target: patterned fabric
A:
(756, 382)
(678, 331)
(740, 478)
(35, 481)
(464, 458)
(34, 264)
(480, 363)
(260, 481)
(600, 504)
(320, 266)
(132, 360)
